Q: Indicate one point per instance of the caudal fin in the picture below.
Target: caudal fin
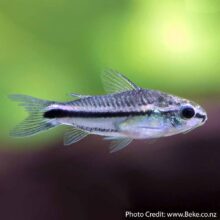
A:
(34, 123)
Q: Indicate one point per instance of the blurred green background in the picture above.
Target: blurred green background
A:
(50, 48)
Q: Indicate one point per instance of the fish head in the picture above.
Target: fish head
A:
(187, 116)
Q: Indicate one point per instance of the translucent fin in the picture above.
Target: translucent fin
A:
(115, 82)
(74, 135)
(79, 96)
(31, 126)
(118, 143)
(30, 103)
(34, 123)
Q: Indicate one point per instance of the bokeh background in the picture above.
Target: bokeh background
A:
(50, 48)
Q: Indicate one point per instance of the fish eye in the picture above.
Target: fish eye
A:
(187, 112)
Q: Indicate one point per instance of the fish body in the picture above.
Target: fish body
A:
(128, 112)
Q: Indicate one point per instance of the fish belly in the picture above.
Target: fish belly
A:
(99, 126)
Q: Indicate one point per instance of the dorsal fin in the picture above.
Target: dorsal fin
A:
(115, 82)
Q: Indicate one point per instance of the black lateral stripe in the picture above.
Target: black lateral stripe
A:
(59, 113)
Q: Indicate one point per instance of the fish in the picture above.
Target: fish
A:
(126, 113)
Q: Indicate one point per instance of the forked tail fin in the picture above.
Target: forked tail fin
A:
(34, 123)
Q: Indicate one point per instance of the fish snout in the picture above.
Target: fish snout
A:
(202, 116)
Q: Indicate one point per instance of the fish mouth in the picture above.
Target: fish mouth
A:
(202, 116)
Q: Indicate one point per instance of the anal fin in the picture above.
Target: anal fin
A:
(74, 135)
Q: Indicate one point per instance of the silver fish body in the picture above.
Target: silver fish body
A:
(128, 113)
